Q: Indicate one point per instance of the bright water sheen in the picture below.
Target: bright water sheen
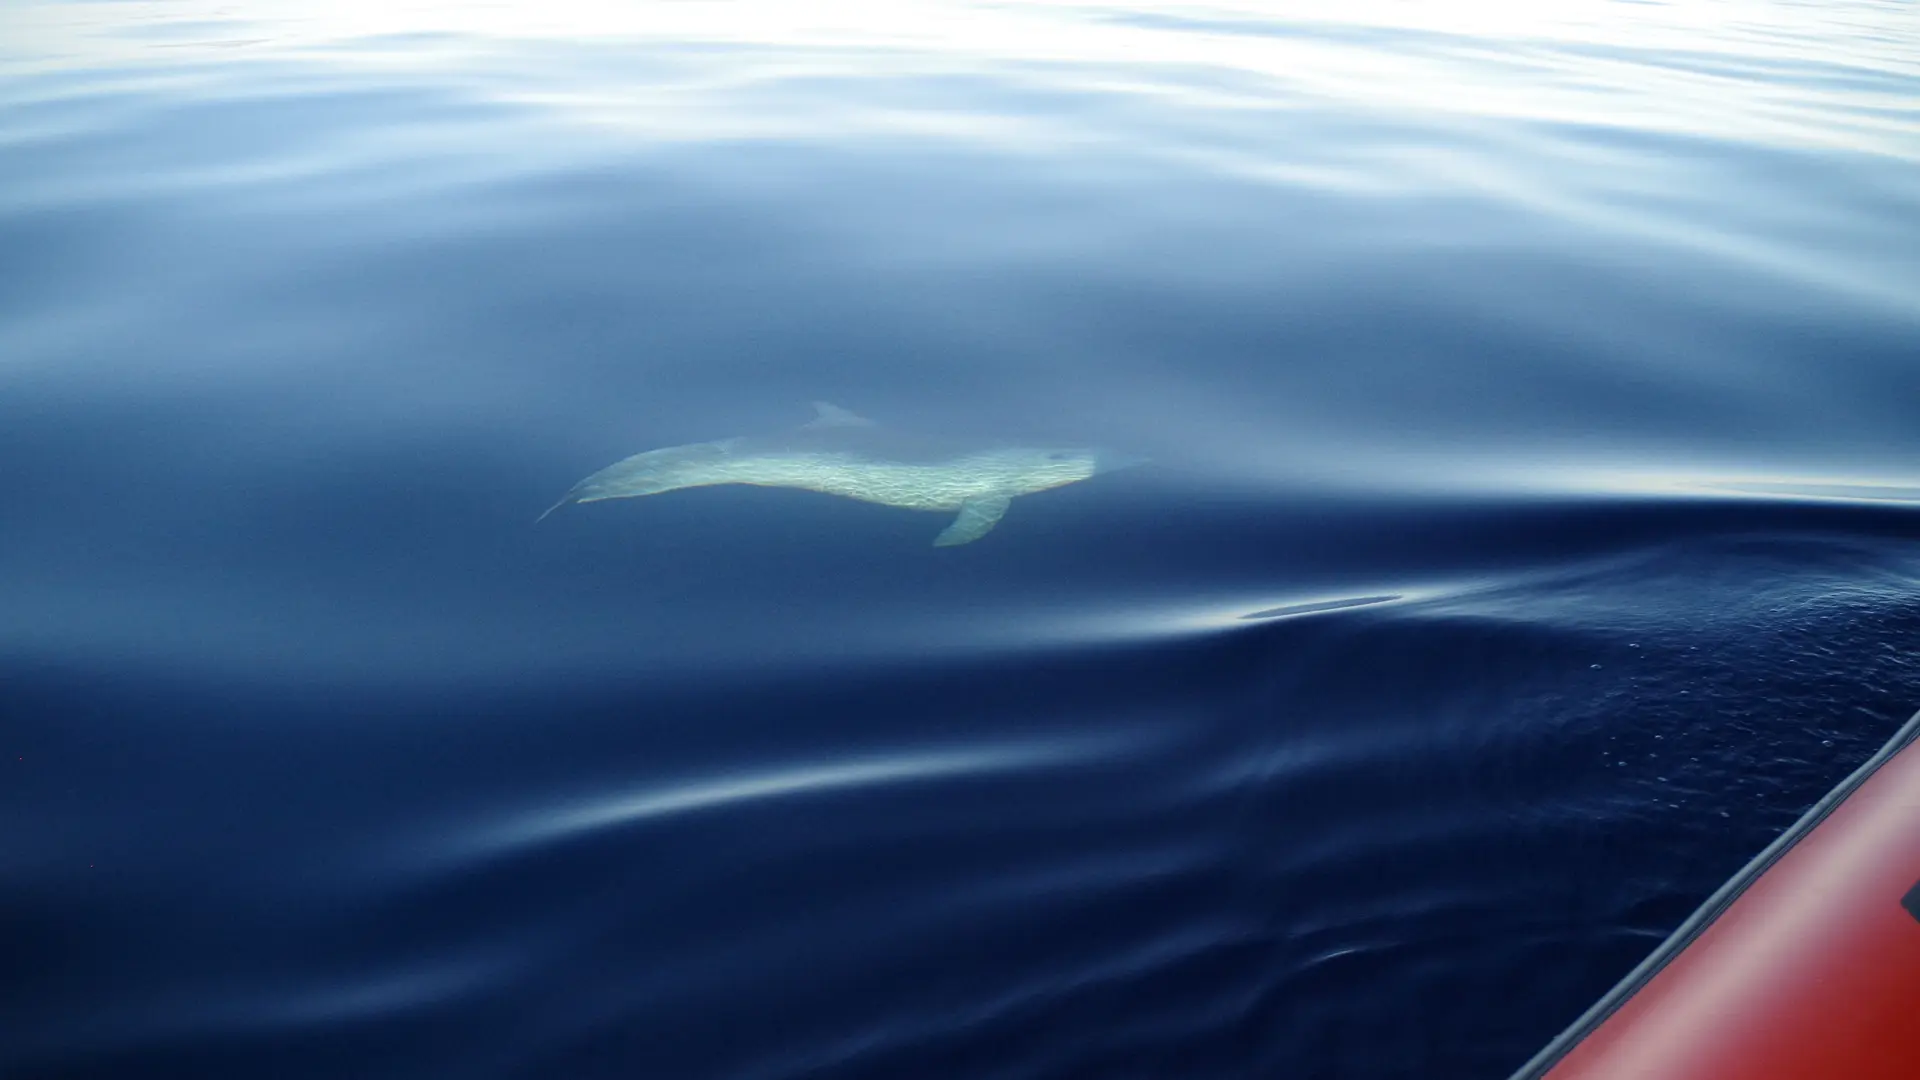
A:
(1532, 400)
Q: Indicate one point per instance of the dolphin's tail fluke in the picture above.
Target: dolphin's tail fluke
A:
(580, 492)
(650, 473)
(564, 500)
(621, 480)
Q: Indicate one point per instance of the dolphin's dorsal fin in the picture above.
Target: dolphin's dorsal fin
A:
(828, 415)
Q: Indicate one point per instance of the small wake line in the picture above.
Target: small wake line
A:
(658, 803)
(1319, 606)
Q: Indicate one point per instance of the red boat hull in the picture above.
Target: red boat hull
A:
(1806, 966)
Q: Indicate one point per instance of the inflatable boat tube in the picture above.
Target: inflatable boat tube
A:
(1806, 966)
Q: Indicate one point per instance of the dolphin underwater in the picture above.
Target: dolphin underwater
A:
(840, 453)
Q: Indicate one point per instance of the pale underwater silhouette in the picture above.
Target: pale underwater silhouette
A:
(840, 453)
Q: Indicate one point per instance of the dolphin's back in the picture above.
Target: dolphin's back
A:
(929, 485)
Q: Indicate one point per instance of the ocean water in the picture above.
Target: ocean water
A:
(1531, 403)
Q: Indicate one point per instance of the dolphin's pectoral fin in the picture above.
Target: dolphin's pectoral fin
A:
(977, 518)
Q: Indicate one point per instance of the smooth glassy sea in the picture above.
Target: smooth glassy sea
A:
(1327, 530)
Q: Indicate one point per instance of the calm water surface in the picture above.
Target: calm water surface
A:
(1532, 400)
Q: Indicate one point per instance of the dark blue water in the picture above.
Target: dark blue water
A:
(1533, 407)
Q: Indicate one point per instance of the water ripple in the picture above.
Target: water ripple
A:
(654, 804)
